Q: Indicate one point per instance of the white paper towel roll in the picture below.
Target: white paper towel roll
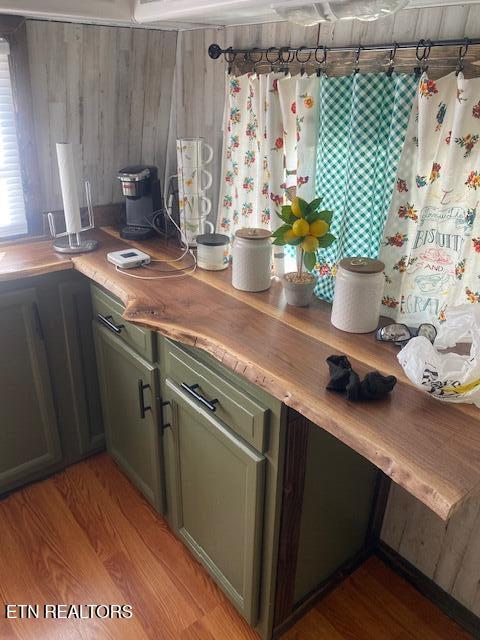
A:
(68, 183)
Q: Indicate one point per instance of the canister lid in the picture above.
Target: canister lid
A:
(253, 233)
(362, 265)
(212, 239)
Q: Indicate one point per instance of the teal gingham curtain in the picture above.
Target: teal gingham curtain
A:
(363, 121)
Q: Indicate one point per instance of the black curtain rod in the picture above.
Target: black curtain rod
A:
(255, 54)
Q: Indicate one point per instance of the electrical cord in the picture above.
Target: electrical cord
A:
(167, 273)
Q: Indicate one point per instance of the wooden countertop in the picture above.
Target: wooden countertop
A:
(430, 448)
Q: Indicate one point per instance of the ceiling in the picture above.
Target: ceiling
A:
(171, 14)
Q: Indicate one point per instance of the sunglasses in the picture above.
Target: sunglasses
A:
(400, 334)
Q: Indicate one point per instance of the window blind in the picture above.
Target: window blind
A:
(13, 219)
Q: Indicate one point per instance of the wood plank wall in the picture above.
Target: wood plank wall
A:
(199, 81)
(106, 89)
(450, 554)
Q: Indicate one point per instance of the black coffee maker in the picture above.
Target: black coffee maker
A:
(141, 186)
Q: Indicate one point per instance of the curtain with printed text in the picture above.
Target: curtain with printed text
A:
(431, 246)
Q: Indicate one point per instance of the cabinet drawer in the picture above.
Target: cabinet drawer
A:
(107, 310)
(240, 412)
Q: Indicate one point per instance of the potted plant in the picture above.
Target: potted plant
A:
(306, 227)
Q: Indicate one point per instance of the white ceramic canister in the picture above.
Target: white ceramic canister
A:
(212, 251)
(252, 260)
(359, 287)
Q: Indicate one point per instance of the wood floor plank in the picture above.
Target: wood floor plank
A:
(427, 614)
(352, 614)
(46, 558)
(188, 575)
(223, 623)
(87, 536)
(313, 626)
(131, 566)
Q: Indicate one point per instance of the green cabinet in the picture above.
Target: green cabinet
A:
(129, 387)
(80, 403)
(29, 439)
(217, 495)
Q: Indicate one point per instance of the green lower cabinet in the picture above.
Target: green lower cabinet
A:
(29, 440)
(217, 496)
(129, 387)
(83, 411)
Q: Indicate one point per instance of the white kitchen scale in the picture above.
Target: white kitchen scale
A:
(128, 258)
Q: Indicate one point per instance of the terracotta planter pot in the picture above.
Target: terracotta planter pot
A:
(298, 294)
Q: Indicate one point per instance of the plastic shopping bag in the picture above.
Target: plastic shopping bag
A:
(447, 376)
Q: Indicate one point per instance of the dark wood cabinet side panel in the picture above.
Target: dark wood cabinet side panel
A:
(294, 482)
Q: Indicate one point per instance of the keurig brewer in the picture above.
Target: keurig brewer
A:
(141, 186)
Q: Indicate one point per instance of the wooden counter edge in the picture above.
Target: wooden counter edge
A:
(443, 503)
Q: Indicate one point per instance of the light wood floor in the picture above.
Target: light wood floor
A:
(87, 536)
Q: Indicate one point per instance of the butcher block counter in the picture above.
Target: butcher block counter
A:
(432, 449)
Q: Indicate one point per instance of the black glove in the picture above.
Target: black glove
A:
(343, 378)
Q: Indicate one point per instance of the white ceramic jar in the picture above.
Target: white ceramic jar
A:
(252, 260)
(359, 285)
(212, 251)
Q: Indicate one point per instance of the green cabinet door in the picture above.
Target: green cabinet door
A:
(129, 388)
(29, 441)
(85, 411)
(217, 493)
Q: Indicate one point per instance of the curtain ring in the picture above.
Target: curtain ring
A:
(272, 62)
(357, 60)
(421, 43)
(324, 57)
(323, 69)
(285, 62)
(423, 57)
(253, 51)
(302, 62)
(299, 50)
(282, 51)
(391, 61)
(462, 52)
(229, 56)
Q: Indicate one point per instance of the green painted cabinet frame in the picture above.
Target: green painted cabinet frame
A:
(85, 411)
(218, 494)
(130, 390)
(29, 439)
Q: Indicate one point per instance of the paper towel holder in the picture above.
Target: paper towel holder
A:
(72, 242)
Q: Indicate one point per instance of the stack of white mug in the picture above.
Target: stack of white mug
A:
(193, 154)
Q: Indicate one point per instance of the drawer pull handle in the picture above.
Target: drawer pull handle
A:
(141, 399)
(108, 322)
(164, 403)
(191, 389)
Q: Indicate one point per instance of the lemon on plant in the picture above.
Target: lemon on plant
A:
(319, 228)
(288, 236)
(295, 207)
(310, 244)
(300, 227)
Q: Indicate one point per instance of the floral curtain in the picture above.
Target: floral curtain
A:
(363, 120)
(269, 146)
(431, 245)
